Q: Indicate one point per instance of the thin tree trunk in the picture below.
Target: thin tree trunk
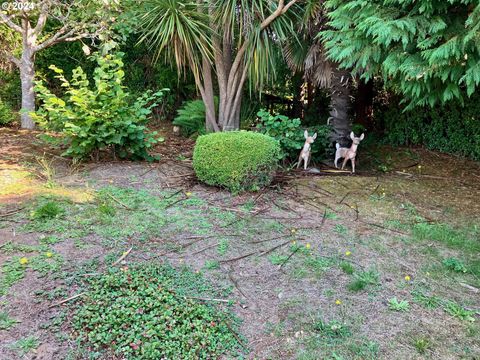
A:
(27, 76)
(209, 99)
(340, 106)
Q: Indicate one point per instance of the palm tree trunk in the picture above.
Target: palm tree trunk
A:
(340, 105)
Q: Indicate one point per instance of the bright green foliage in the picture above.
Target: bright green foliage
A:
(237, 160)
(451, 128)
(6, 114)
(290, 133)
(49, 209)
(454, 265)
(191, 117)
(142, 313)
(396, 305)
(100, 118)
(6, 322)
(25, 345)
(430, 50)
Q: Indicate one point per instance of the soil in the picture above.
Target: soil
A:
(275, 305)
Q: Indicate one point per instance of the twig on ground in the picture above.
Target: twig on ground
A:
(238, 258)
(205, 248)
(266, 252)
(208, 299)
(124, 255)
(172, 195)
(119, 202)
(67, 300)
(12, 212)
(289, 257)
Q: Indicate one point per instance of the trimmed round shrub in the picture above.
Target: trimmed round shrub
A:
(236, 160)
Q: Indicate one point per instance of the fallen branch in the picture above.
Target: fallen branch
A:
(67, 300)
(208, 299)
(266, 252)
(289, 257)
(119, 202)
(238, 258)
(205, 248)
(11, 212)
(124, 255)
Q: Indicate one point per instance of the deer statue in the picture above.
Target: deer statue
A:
(305, 153)
(348, 153)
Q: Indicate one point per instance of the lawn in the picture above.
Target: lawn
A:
(116, 260)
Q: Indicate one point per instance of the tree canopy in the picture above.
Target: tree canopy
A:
(427, 49)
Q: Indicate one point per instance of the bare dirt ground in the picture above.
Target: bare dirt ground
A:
(282, 251)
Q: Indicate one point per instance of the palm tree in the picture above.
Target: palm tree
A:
(229, 38)
(309, 57)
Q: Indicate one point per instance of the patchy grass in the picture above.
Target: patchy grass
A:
(25, 345)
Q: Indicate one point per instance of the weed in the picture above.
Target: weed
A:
(363, 279)
(223, 246)
(48, 240)
(340, 229)
(47, 170)
(347, 267)
(454, 265)
(277, 259)
(6, 322)
(330, 215)
(455, 310)
(47, 210)
(395, 305)
(332, 329)
(211, 264)
(145, 313)
(25, 345)
(12, 271)
(462, 238)
(429, 302)
(421, 345)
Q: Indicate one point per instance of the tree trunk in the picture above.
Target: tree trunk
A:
(340, 106)
(209, 97)
(27, 76)
(364, 103)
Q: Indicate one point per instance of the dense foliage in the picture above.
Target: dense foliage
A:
(238, 160)
(142, 313)
(289, 133)
(430, 50)
(450, 128)
(102, 117)
(6, 113)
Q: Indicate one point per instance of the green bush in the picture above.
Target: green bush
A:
(191, 118)
(6, 114)
(237, 160)
(290, 134)
(450, 128)
(99, 117)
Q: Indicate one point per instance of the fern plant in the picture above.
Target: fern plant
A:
(191, 117)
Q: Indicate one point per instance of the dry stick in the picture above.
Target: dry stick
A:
(383, 227)
(209, 299)
(288, 258)
(67, 300)
(119, 202)
(11, 212)
(324, 217)
(344, 196)
(172, 195)
(235, 283)
(374, 191)
(124, 255)
(270, 239)
(238, 258)
(175, 202)
(235, 334)
(266, 252)
(205, 248)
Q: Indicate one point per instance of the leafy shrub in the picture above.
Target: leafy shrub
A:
(100, 118)
(237, 160)
(289, 133)
(450, 128)
(6, 114)
(144, 312)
